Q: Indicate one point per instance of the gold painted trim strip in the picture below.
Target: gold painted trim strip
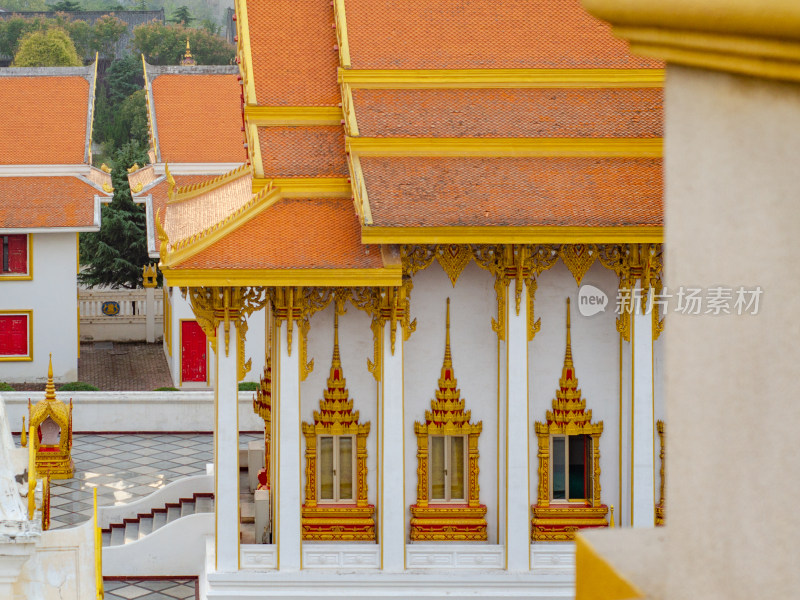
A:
(283, 277)
(18, 357)
(265, 116)
(629, 147)
(254, 150)
(307, 187)
(245, 54)
(341, 33)
(544, 234)
(188, 192)
(360, 196)
(500, 78)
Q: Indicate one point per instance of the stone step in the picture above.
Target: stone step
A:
(204, 505)
(131, 532)
(173, 512)
(187, 508)
(106, 538)
(145, 526)
(159, 519)
(117, 536)
(248, 512)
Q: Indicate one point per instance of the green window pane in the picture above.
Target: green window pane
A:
(577, 467)
(457, 468)
(345, 468)
(559, 461)
(325, 469)
(436, 470)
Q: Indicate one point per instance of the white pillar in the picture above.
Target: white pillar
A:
(226, 451)
(392, 531)
(287, 449)
(518, 425)
(150, 314)
(642, 447)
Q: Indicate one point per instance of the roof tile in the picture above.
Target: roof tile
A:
(303, 151)
(32, 202)
(480, 191)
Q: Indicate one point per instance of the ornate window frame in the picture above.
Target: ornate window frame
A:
(345, 519)
(448, 520)
(559, 520)
(26, 275)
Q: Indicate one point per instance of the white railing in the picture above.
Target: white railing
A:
(121, 315)
(126, 306)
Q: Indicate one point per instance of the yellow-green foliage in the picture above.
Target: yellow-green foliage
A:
(52, 48)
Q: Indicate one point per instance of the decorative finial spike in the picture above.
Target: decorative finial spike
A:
(50, 367)
(611, 524)
(568, 354)
(336, 357)
(50, 388)
(448, 359)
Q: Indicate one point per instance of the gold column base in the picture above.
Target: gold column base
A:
(444, 522)
(338, 523)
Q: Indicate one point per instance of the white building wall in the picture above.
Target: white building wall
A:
(355, 347)
(473, 304)
(52, 294)
(254, 342)
(595, 352)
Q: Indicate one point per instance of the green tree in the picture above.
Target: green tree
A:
(14, 29)
(66, 6)
(51, 49)
(16, 5)
(107, 31)
(115, 255)
(211, 27)
(182, 15)
(165, 44)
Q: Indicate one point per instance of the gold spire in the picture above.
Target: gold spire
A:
(188, 60)
(448, 358)
(337, 360)
(50, 388)
(568, 353)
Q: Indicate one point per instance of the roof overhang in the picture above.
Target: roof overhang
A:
(387, 276)
(543, 234)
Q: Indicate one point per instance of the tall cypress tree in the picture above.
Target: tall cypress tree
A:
(115, 255)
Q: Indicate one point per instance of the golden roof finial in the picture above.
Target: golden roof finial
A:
(50, 388)
(448, 358)
(188, 60)
(568, 353)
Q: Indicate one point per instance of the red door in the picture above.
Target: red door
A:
(193, 352)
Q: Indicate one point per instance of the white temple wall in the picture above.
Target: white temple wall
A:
(473, 304)
(595, 352)
(254, 347)
(52, 294)
(355, 347)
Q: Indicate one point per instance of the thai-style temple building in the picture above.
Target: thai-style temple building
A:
(480, 184)
(49, 194)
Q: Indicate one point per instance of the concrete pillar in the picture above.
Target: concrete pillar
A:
(518, 426)
(150, 315)
(288, 453)
(226, 451)
(392, 514)
(642, 447)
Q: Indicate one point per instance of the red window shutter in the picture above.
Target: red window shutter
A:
(18, 253)
(13, 335)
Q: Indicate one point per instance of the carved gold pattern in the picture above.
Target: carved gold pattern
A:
(228, 305)
(54, 460)
(344, 520)
(137, 187)
(445, 521)
(661, 506)
(578, 258)
(453, 258)
(568, 416)
(262, 406)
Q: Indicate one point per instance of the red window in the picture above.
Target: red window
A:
(15, 254)
(13, 335)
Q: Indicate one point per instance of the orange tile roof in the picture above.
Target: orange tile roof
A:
(43, 120)
(626, 112)
(32, 202)
(470, 191)
(303, 151)
(292, 46)
(199, 118)
(471, 34)
(297, 233)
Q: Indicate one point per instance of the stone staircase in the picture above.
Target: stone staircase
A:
(133, 529)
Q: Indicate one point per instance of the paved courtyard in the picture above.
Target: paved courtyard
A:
(123, 468)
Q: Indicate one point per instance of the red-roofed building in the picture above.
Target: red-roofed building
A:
(49, 194)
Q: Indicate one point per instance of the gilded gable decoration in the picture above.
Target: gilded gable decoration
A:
(51, 419)
(569, 462)
(448, 503)
(336, 506)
